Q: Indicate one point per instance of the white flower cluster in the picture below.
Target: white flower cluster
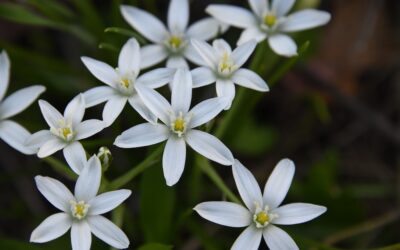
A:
(179, 122)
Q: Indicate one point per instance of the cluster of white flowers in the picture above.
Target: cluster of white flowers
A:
(218, 64)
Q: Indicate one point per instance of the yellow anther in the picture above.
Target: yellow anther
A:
(79, 209)
(125, 82)
(66, 132)
(175, 42)
(179, 125)
(262, 218)
(270, 20)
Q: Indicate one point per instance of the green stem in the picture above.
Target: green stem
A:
(60, 167)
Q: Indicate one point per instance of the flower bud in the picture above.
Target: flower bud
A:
(105, 157)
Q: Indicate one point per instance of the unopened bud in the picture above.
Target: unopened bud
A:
(105, 157)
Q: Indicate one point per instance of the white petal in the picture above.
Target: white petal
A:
(147, 24)
(88, 182)
(152, 55)
(224, 213)
(233, 15)
(305, 19)
(278, 183)
(178, 15)
(204, 29)
(75, 156)
(39, 138)
(108, 232)
(282, 7)
(51, 228)
(181, 91)
(249, 239)
(51, 146)
(75, 110)
(277, 239)
(209, 146)
(283, 45)
(243, 52)
(226, 89)
(259, 6)
(207, 110)
(202, 76)
(222, 47)
(50, 114)
(102, 71)
(174, 160)
(15, 135)
(296, 213)
(98, 95)
(129, 58)
(88, 128)
(192, 55)
(155, 102)
(81, 237)
(55, 192)
(142, 135)
(106, 202)
(142, 109)
(156, 78)
(247, 186)
(19, 101)
(113, 109)
(177, 62)
(4, 73)
(249, 79)
(250, 34)
(206, 51)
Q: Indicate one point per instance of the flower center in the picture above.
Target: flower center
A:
(175, 42)
(262, 217)
(270, 20)
(226, 65)
(64, 131)
(178, 125)
(125, 83)
(79, 209)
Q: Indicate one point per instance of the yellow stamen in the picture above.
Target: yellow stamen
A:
(125, 82)
(66, 132)
(262, 218)
(79, 209)
(175, 42)
(179, 125)
(270, 20)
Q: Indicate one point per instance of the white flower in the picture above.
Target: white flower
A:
(178, 128)
(82, 211)
(11, 132)
(172, 43)
(65, 132)
(269, 21)
(224, 68)
(121, 83)
(262, 212)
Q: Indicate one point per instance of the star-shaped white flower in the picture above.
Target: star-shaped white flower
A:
(269, 21)
(81, 211)
(11, 132)
(121, 83)
(262, 212)
(224, 68)
(65, 132)
(178, 128)
(172, 43)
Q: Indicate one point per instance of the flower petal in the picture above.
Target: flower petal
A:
(156, 78)
(224, 213)
(51, 146)
(88, 183)
(51, 228)
(207, 110)
(249, 239)
(206, 51)
(259, 6)
(282, 7)
(142, 135)
(247, 186)
(178, 15)
(81, 236)
(88, 128)
(129, 58)
(50, 114)
(174, 160)
(39, 138)
(296, 213)
(15, 135)
(177, 62)
(75, 156)
(222, 47)
(204, 29)
(97, 95)
(192, 55)
(278, 239)
(242, 53)
(55, 192)
(278, 183)
(202, 76)
(108, 232)
(152, 54)
(250, 34)
(142, 109)
(283, 45)
(102, 71)
(248, 79)
(226, 89)
(305, 19)
(147, 24)
(19, 101)
(4, 73)
(233, 15)
(113, 109)
(106, 202)
(155, 102)
(209, 146)
(181, 91)
(75, 110)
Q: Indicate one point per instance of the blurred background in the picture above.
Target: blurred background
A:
(335, 113)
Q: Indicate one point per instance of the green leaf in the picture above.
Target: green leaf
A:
(126, 32)
(52, 9)
(155, 246)
(18, 13)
